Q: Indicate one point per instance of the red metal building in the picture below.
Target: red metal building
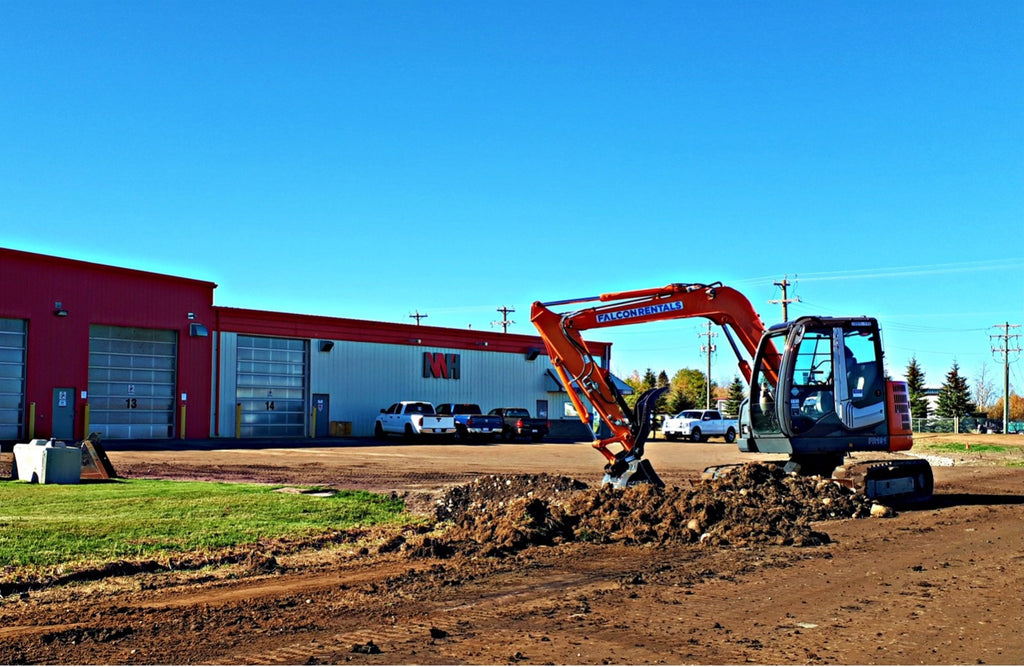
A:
(137, 355)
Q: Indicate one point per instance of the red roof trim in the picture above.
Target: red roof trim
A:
(107, 268)
(241, 320)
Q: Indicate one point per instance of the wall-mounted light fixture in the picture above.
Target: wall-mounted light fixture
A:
(416, 341)
(533, 353)
(482, 343)
(326, 345)
(59, 310)
(197, 330)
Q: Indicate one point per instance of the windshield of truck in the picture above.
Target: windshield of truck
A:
(690, 414)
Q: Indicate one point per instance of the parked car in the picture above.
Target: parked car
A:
(412, 419)
(698, 426)
(470, 421)
(517, 423)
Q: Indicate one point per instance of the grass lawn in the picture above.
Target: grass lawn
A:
(43, 526)
(971, 447)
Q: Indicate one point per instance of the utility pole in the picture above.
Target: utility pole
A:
(784, 301)
(418, 316)
(1004, 339)
(709, 348)
(504, 321)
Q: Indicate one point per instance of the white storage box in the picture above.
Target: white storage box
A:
(48, 463)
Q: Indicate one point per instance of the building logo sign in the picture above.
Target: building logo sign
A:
(634, 313)
(441, 365)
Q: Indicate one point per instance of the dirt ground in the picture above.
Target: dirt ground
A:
(756, 568)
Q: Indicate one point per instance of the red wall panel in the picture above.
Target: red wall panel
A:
(58, 347)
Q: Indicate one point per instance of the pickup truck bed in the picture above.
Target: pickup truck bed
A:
(519, 424)
(470, 422)
(412, 419)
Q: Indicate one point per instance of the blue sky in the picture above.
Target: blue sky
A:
(373, 159)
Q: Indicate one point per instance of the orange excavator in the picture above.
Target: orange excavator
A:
(817, 391)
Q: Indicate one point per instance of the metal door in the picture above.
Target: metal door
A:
(64, 413)
(322, 405)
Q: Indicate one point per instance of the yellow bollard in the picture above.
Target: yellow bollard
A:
(85, 418)
(313, 429)
(31, 421)
(238, 420)
(182, 421)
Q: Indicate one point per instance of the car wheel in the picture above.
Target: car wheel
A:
(461, 435)
(378, 432)
(410, 434)
(695, 435)
(730, 435)
(671, 436)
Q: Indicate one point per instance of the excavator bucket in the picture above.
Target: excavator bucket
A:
(95, 464)
(636, 471)
(629, 467)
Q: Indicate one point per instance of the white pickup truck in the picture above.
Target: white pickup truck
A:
(698, 426)
(412, 419)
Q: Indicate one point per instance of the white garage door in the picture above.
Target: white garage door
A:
(132, 382)
(270, 384)
(12, 379)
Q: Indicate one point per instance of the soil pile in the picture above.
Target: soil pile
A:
(752, 503)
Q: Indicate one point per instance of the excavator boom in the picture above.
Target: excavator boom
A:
(816, 387)
(581, 374)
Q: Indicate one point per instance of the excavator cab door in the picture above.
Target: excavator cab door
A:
(824, 391)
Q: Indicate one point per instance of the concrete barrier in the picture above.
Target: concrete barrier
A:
(48, 462)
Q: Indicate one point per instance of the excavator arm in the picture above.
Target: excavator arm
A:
(583, 377)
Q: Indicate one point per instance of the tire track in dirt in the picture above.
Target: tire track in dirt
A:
(503, 596)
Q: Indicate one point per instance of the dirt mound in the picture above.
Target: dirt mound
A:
(492, 492)
(753, 503)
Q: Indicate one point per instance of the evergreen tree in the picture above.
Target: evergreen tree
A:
(915, 386)
(687, 390)
(662, 405)
(955, 395)
(737, 393)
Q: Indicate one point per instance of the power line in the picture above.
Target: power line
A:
(709, 348)
(784, 301)
(1005, 339)
(504, 321)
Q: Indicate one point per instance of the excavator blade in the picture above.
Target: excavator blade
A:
(897, 482)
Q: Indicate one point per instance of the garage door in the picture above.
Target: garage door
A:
(270, 385)
(12, 379)
(132, 382)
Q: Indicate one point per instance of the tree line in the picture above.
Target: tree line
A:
(956, 400)
(687, 389)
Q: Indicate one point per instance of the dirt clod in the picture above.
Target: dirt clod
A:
(369, 648)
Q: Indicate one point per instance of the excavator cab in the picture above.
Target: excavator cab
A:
(823, 395)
